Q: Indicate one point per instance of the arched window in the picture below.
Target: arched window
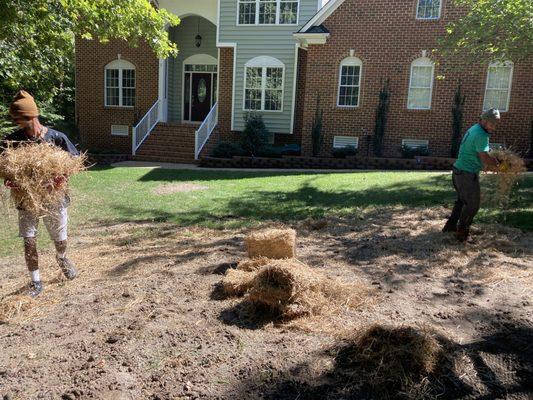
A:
(349, 82)
(498, 87)
(263, 86)
(421, 84)
(120, 84)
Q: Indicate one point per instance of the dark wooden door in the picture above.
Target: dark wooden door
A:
(200, 96)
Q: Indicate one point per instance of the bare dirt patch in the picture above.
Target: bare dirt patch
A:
(183, 187)
(143, 320)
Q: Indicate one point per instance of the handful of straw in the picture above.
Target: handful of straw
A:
(34, 170)
(509, 172)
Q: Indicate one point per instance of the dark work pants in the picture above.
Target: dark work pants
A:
(466, 185)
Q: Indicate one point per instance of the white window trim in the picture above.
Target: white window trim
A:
(509, 64)
(278, 9)
(197, 59)
(432, 18)
(119, 65)
(264, 62)
(350, 61)
(341, 137)
(422, 62)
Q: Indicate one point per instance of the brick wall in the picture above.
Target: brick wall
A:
(225, 94)
(387, 37)
(93, 118)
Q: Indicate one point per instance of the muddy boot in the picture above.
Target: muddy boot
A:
(449, 227)
(35, 289)
(67, 267)
(462, 235)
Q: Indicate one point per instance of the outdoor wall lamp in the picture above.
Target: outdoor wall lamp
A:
(198, 40)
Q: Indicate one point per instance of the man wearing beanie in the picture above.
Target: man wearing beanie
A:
(473, 157)
(25, 114)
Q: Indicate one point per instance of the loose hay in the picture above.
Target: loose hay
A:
(236, 282)
(291, 289)
(253, 264)
(391, 359)
(33, 168)
(14, 306)
(509, 172)
(271, 243)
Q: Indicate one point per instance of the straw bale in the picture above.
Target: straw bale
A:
(33, 168)
(271, 243)
(237, 282)
(253, 264)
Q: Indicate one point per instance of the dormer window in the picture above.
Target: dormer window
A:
(268, 12)
(428, 9)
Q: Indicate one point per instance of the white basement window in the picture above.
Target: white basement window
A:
(498, 88)
(415, 143)
(341, 142)
(349, 82)
(421, 84)
(120, 130)
(263, 87)
(120, 84)
(428, 9)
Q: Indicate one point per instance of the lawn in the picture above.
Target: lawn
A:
(229, 199)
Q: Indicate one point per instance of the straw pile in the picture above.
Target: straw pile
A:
(33, 168)
(510, 170)
(253, 264)
(391, 359)
(271, 243)
(237, 282)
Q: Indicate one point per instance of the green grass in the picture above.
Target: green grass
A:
(235, 199)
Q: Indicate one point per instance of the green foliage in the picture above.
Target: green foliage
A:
(227, 150)
(492, 30)
(347, 151)
(316, 130)
(255, 134)
(270, 151)
(382, 113)
(414, 151)
(457, 127)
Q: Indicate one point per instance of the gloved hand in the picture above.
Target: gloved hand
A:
(59, 181)
(10, 184)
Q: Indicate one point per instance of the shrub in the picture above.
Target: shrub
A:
(255, 134)
(414, 151)
(382, 113)
(457, 115)
(347, 151)
(227, 150)
(316, 130)
(270, 151)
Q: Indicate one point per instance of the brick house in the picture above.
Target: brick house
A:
(276, 57)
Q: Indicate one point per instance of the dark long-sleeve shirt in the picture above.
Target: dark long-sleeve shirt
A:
(51, 136)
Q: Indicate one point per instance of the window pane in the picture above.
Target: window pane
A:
(499, 77)
(252, 99)
(111, 77)
(267, 12)
(288, 12)
(419, 98)
(128, 97)
(112, 96)
(246, 13)
(274, 78)
(495, 98)
(273, 100)
(253, 78)
(128, 78)
(422, 77)
(428, 9)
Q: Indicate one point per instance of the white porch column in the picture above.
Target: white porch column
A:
(163, 92)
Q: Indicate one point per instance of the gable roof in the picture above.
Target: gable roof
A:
(321, 15)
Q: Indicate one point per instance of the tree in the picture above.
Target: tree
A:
(37, 42)
(457, 116)
(492, 30)
(382, 114)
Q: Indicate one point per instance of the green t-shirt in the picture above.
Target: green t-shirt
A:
(475, 140)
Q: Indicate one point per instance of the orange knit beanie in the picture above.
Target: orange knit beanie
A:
(23, 106)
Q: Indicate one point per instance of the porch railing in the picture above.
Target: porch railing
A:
(145, 126)
(204, 131)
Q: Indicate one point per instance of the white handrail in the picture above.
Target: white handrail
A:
(203, 133)
(145, 126)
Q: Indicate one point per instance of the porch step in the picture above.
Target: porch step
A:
(169, 143)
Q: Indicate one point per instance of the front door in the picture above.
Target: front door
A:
(200, 96)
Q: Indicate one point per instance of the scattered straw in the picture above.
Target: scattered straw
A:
(271, 243)
(253, 264)
(391, 359)
(13, 306)
(236, 282)
(509, 172)
(33, 168)
(292, 289)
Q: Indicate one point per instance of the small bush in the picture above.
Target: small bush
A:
(414, 151)
(348, 151)
(270, 151)
(227, 150)
(255, 134)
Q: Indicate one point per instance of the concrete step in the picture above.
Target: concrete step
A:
(176, 160)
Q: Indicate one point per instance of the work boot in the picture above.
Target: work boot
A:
(67, 267)
(449, 227)
(462, 235)
(35, 289)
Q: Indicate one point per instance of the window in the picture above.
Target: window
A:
(120, 130)
(268, 12)
(341, 142)
(349, 82)
(498, 89)
(263, 87)
(421, 84)
(428, 9)
(120, 84)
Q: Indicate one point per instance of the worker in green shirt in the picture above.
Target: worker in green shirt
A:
(473, 157)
